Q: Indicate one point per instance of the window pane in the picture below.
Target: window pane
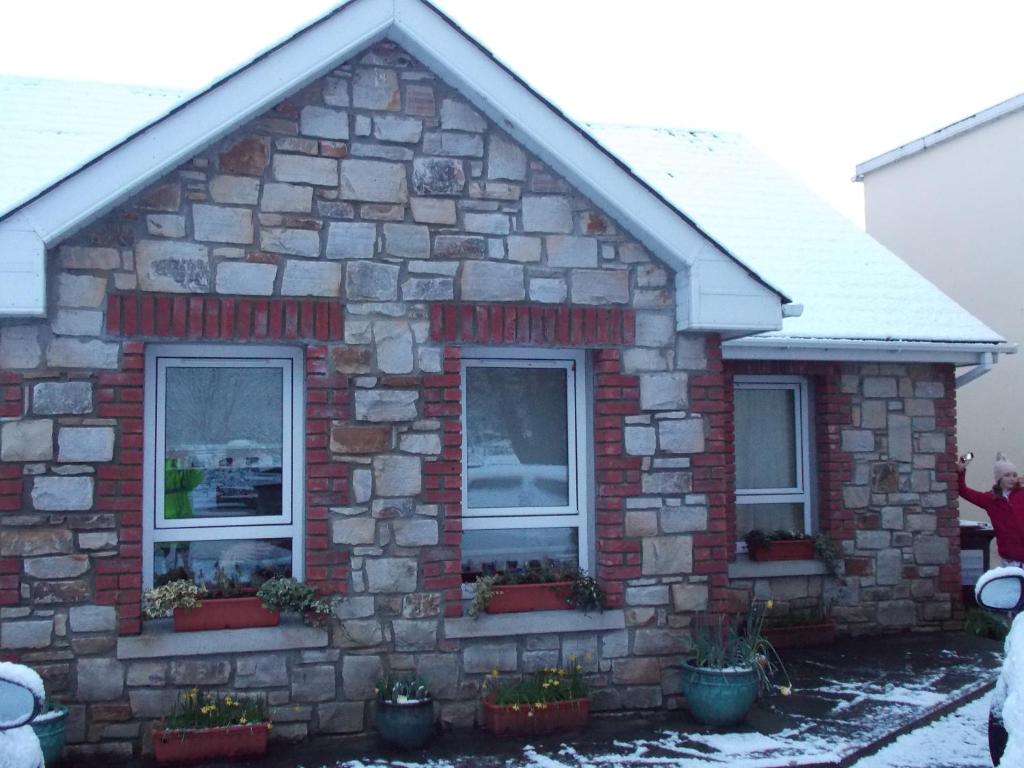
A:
(782, 516)
(509, 548)
(765, 438)
(518, 446)
(223, 442)
(245, 563)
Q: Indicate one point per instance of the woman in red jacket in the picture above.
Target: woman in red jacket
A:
(1004, 505)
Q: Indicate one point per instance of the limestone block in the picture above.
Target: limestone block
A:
(681, 436)
(354, 607)
(897, 613)
(340, 717)
(80, 290)
(407, 241)
(354, 531)
(323, 122)
(688, 598)
(415, 635)
(653, 595)
(406, 130)
(889, 567)
(856, 496)
(853, 440)
(172, 267)
(397, 475)
(85, 444)
(423, 444)
(351, 240)
(359, 676)
(453, 144)
(371, 281)
(54, 397)
(72, 352)
(386, 405)
(239, 278)
(348, 439)
(459, 247)
(931, 550)
(394, 344)
(438, 176)
(62, 494)
(442, 670)
(427, 210)
(391, 574)
(19, 346)
(376, 88)
(97, 540)
(484, 281)
(247, 156)
(78, 322)
(205, 672)
(420, 605)
(241, 190)
(663, 391)
(373, 181)
(318, 171)
(335, 92)
(548, 290)
(642, 523)
(100, 679)
(85, 257)
(636, 671)
(291, 242)
(27, 440)
(486, 223)
(667, 483)
(460, 116)
(92, 618)
(310, 278)
(929, 389)
(313, 683)
(667, 555)
(655, 329)
(880, 386)
(490, 656)
(873, 540)
(57, 566)
(30, 542)
(553, 213)
(362, 485)
(599, 286)
(26, 635)
(221, 224)
(428, 289)
(683, 519)
(640, 441)
(415, 533)
(287, 198)
(505, 159)
(656, 641)
(523, 249)
(359, 633)
(261, 671)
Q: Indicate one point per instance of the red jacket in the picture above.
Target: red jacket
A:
(1007, 515)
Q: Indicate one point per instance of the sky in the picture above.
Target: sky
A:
(818, 86)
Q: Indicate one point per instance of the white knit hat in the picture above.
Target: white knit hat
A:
(1002, 466)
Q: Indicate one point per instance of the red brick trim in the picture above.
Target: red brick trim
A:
(11, 397)
(536, 324)
(178, 316)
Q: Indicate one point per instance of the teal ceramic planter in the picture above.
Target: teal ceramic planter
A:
(50, 728)
(719, 697)
(408, 726)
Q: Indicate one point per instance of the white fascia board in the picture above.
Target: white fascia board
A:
(857, 350)
(194, 125)
(22, 273)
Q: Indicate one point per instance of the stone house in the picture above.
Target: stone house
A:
(410, 322)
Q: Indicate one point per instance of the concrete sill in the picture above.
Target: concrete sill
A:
(159, 640)
(533, 623)
(745, 568)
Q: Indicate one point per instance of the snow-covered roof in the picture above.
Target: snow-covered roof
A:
(969, 123)
(52, 127)
(851, 287)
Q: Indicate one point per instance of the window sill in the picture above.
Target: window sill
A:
(745, 568)
(159, 640)
(534, 623)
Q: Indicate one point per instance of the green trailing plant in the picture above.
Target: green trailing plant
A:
(720, 642)
(585, 593)
(290, 596)
(984, 624)
(161, 601)
(828, 553)
(203, 709)
(758, 538)
(545, 686)
(402, 690)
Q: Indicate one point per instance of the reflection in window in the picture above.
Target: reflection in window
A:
(508, 549)
(222, 566)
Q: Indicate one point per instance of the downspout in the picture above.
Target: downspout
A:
(987, 361)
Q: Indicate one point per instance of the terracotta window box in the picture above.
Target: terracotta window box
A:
(783, 549)
(530, 720)
(225, 613)
(182, 747)
(518, 598)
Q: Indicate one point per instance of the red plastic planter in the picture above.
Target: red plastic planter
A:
(791, 549)
(516, 598)
(225, 613)
(236, 742)
(529, 720)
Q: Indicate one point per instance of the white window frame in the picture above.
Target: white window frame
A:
(289, 525)
(576, 514)
(803, 491)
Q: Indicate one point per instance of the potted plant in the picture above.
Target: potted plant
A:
(211, 726)
(193, 610)
(553, 699)
(802, 627)
(50, 728)
(731, 664)
(539, 587)
(285, 594)
(779, 545)
(404, 712)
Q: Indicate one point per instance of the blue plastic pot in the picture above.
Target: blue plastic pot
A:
(51, 731)
(408, 726)
(718, 696)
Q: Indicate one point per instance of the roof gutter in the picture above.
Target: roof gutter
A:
(977, 354)
(986, 364)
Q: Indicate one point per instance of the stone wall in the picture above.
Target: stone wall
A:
(379, 223)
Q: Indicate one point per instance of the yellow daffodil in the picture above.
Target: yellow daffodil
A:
(242, 720)
(494, 672)
(770, 604)
(515, 707)
(785, 690)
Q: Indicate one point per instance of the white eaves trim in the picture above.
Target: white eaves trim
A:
(126, 169)
(937, 137)
(867, 350)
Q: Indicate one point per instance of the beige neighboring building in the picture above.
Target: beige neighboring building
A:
(951, 204)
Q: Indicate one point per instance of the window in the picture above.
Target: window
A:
(524, 473)
(223, 464)
(773, 471)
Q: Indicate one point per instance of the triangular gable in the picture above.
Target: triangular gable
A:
(737, 301)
